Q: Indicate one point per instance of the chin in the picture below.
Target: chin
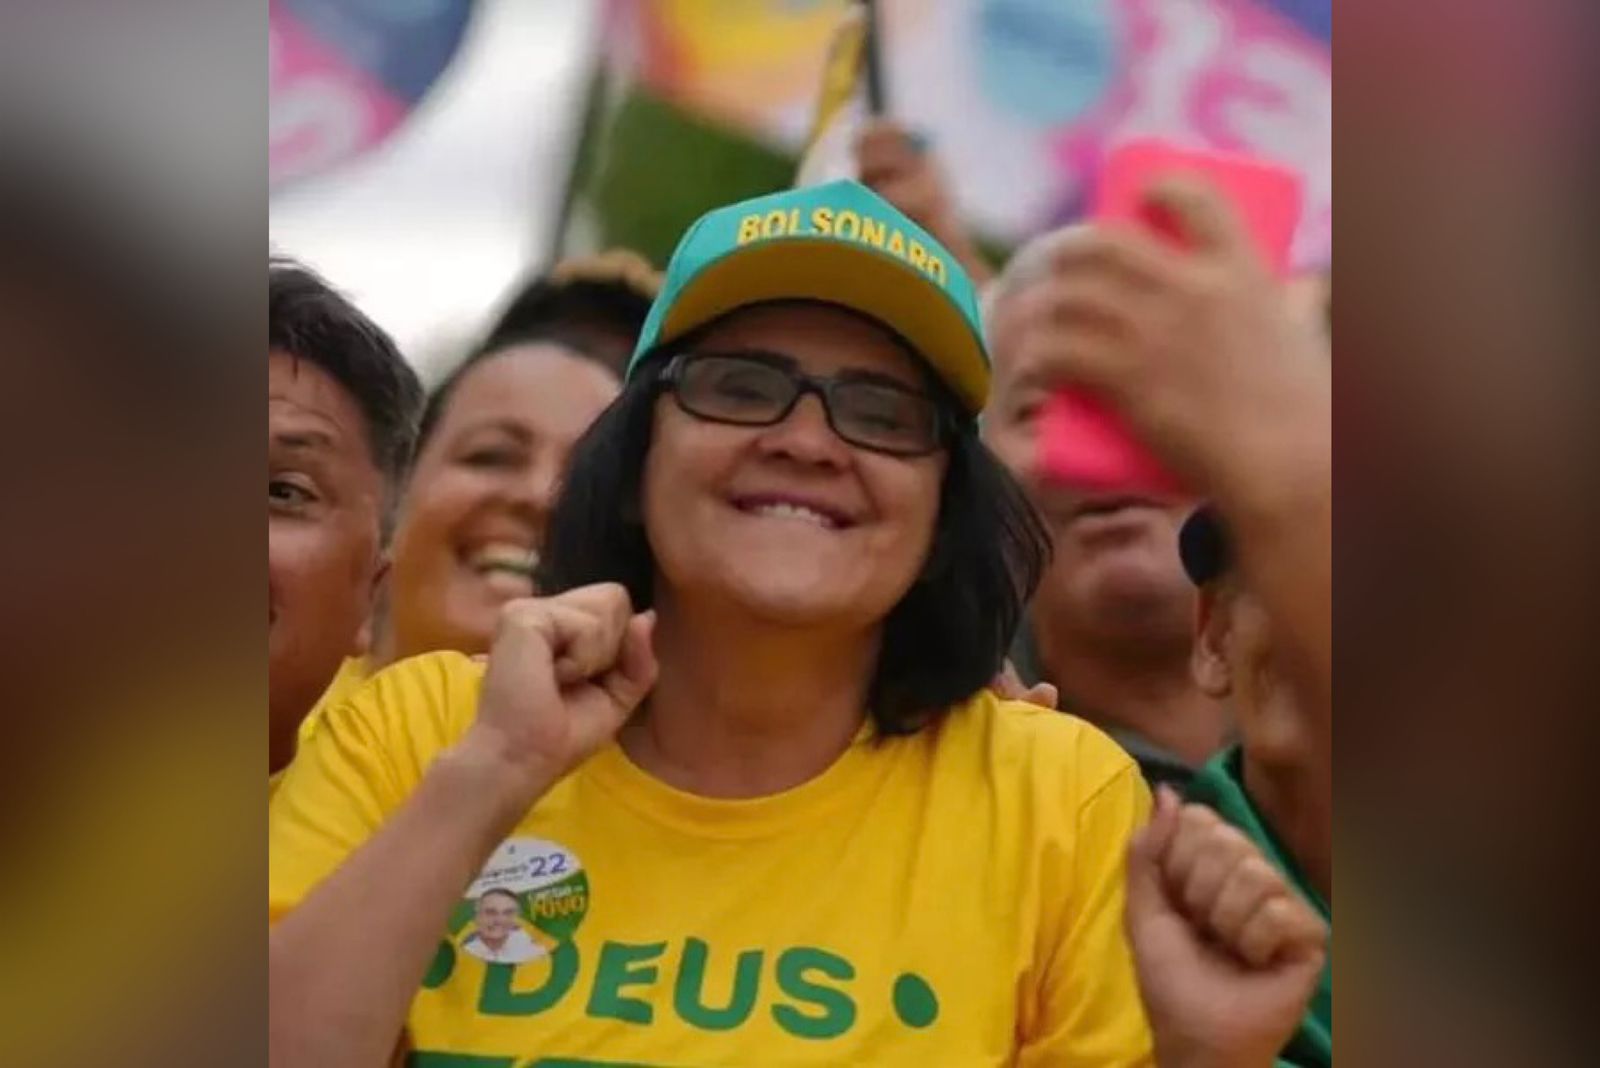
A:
(782, 592)
(1127, 602)
(791, 603)
(1127, 590)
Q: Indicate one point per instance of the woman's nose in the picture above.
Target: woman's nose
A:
(805, 434)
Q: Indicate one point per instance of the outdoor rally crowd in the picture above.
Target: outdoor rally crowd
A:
(676, 682)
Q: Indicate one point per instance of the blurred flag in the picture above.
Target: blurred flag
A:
(842, 104)
(344, 74)
(697, 104)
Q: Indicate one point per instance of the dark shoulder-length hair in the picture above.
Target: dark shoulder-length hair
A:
(946, 638)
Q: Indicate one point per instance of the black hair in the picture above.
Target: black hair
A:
(547, 307)
(549, 311)
(439, 396)
(308, 319)
(946, 638)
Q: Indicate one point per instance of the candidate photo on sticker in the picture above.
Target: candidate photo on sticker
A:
(497, 936)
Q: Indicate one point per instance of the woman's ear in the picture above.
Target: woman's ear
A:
(1208, 661)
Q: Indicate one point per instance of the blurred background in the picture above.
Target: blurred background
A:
(428, 155)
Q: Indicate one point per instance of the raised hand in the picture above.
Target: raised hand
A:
(899, 168)
(1227, 953)
(1196, 346)
(563, 675)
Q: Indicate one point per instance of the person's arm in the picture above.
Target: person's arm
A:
(1228, 954)
(345, 963)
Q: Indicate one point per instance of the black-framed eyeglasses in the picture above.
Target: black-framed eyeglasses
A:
(761, 389)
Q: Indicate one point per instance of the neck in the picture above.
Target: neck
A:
(746, 709)
(1290, 799)
(1145, 688)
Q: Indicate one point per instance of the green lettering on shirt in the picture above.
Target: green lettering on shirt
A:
(623, 965)
(838, 1012)
(689, 992)
(498, 999)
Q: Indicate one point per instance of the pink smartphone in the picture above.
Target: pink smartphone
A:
(1082, 441)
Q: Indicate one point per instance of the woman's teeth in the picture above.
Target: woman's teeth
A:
(794, 511)
(514, 559)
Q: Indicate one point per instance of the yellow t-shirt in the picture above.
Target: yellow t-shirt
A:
(353, 671)
(949, 898)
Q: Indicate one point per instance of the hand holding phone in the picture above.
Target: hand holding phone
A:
(1082, 441)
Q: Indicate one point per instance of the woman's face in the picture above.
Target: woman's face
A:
(474, 513)
(789, 522)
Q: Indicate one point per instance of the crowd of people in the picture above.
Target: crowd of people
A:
(706, 671)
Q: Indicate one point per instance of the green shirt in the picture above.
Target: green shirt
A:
(1220, 785)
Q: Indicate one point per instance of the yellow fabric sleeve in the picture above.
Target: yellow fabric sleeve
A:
(359, 763)
(1089, 1011)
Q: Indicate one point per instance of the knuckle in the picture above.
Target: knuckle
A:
(612, 593)
(521, 613)
(1259, 872)
(1197, 819)
(1226, 838)
(1280, 912)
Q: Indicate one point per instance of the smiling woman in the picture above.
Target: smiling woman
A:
(738, 766)
(494, 441)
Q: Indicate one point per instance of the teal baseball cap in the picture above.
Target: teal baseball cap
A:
(838, 242)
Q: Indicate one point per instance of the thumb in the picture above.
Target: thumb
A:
(1146, 894)
(1301, 973)
(1195, 211)
(635, 671)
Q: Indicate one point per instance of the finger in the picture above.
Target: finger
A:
(601, 598)
(1196, 824)
(1085, 357)
(883, 164)
(585, 645)
(1146, 896)
(1106, 304)
(1219, 857)
(1307, 934)
(519, 656)
(1073, 338)
(1250, 884)
(1123, 251)
(1008, 683)
(1043, 694)
(1198, 211)
(634, 674)
(902, 190)
(883, 137)
(1087, 296)
(588, 624)
(1281, 926)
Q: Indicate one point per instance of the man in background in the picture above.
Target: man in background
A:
(342, 407)
(1111, 625)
